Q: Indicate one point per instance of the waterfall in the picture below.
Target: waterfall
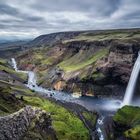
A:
(14, 64)
(32, 84)
(132, 82)
(88, 104)
(99, 127)
(32, 79)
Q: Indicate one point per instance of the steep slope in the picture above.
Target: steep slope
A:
(126, 124)
(53, 38)
(28, 123)
(92, 63)
(31, 122)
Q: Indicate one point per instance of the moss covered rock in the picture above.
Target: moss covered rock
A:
(127, 122)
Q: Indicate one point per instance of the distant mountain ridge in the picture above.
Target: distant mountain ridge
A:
(50, 39)
(9, 49)
(53, 38)
(13, 43)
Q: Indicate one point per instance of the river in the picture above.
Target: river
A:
(105, 106)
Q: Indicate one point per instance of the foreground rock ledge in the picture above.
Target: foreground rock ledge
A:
(27, 124)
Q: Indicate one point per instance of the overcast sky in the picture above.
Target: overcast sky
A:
(30, 18)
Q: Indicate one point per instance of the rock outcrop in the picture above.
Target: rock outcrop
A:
(116, 68)
(29, 123)
(88, 63)
(120, 61)
(124, 125)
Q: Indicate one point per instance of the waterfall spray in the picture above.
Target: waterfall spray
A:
(132, 82)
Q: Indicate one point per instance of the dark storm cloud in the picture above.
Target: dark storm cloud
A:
(34, 17)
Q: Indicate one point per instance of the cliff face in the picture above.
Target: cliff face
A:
(32, 123)
(88, 63)
(120, 60)
(110, 72)
(28, 123)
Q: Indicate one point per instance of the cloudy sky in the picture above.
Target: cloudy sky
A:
(30, 18)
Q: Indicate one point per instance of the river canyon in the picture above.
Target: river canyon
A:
(105, 106)
(85, 78)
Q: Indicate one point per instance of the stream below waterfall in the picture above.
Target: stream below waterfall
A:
(107, 106)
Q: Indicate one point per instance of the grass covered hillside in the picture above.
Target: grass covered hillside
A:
(14, 96)
(6, 68)
(99, 58)
(107, 35)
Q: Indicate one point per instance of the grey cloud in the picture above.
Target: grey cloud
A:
(6, 9)
(98, 7)
(15, 12)
(32, 16)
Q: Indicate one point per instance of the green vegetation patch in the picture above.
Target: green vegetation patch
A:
(11, 71)
(90, 116)
(8, 102)
(98, 75)
(129, 116)
(133, 133)
(66, 125)
(22, 90)
(69, 66)
(3, 61)
(105, 35)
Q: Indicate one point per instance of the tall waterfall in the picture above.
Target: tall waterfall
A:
(132, 82)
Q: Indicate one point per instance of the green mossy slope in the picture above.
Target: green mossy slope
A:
(14, 96)
(73, 65)
(129, 117)
(5, 67)
(66, 125)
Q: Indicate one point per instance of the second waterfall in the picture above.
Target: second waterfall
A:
(132, 83)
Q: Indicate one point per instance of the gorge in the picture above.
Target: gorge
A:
(32, 84)
(86, 73)
(69, 69)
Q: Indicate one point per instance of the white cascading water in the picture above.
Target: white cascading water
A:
(132, 83)
(14, 64)
(99, 127)
(32, 79)
(32, 84)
